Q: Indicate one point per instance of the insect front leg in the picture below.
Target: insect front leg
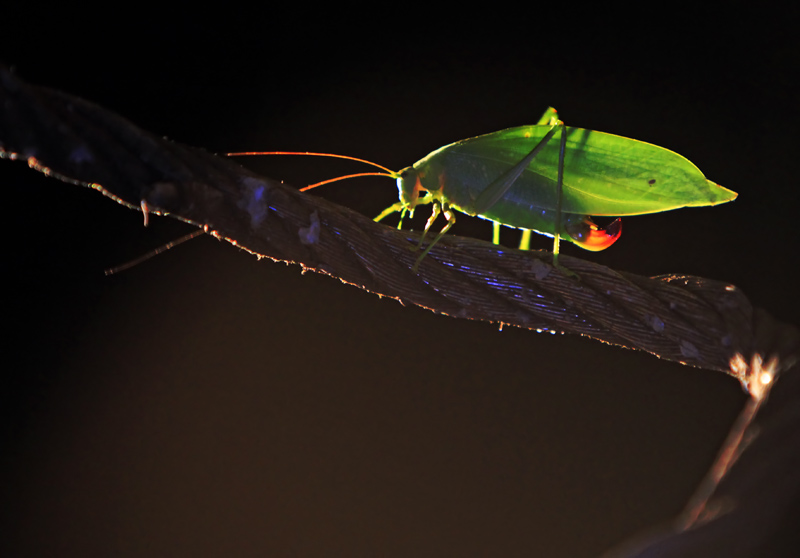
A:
(399, 206)
(437, 207)
(451, 220)
(404, 209)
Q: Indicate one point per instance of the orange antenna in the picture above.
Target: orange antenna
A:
(310, 186)
(390, 173)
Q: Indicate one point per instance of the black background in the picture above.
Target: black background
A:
(205, 403)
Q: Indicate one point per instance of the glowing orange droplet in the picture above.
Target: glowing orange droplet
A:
(598, 238)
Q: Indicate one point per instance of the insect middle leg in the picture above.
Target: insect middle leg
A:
(524, 241)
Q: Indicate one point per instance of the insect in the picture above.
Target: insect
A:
(520, 177)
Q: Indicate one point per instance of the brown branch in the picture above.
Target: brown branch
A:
(685, 319)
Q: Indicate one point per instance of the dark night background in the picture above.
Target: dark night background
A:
(205, 403)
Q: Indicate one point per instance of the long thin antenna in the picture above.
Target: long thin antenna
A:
(155, 252)
(310, 186)
(392, 173)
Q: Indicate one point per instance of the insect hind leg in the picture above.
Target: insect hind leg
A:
(559, 192)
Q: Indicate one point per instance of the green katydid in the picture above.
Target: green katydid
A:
(519, 178)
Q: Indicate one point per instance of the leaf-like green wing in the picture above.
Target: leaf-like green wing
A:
(604, 174)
